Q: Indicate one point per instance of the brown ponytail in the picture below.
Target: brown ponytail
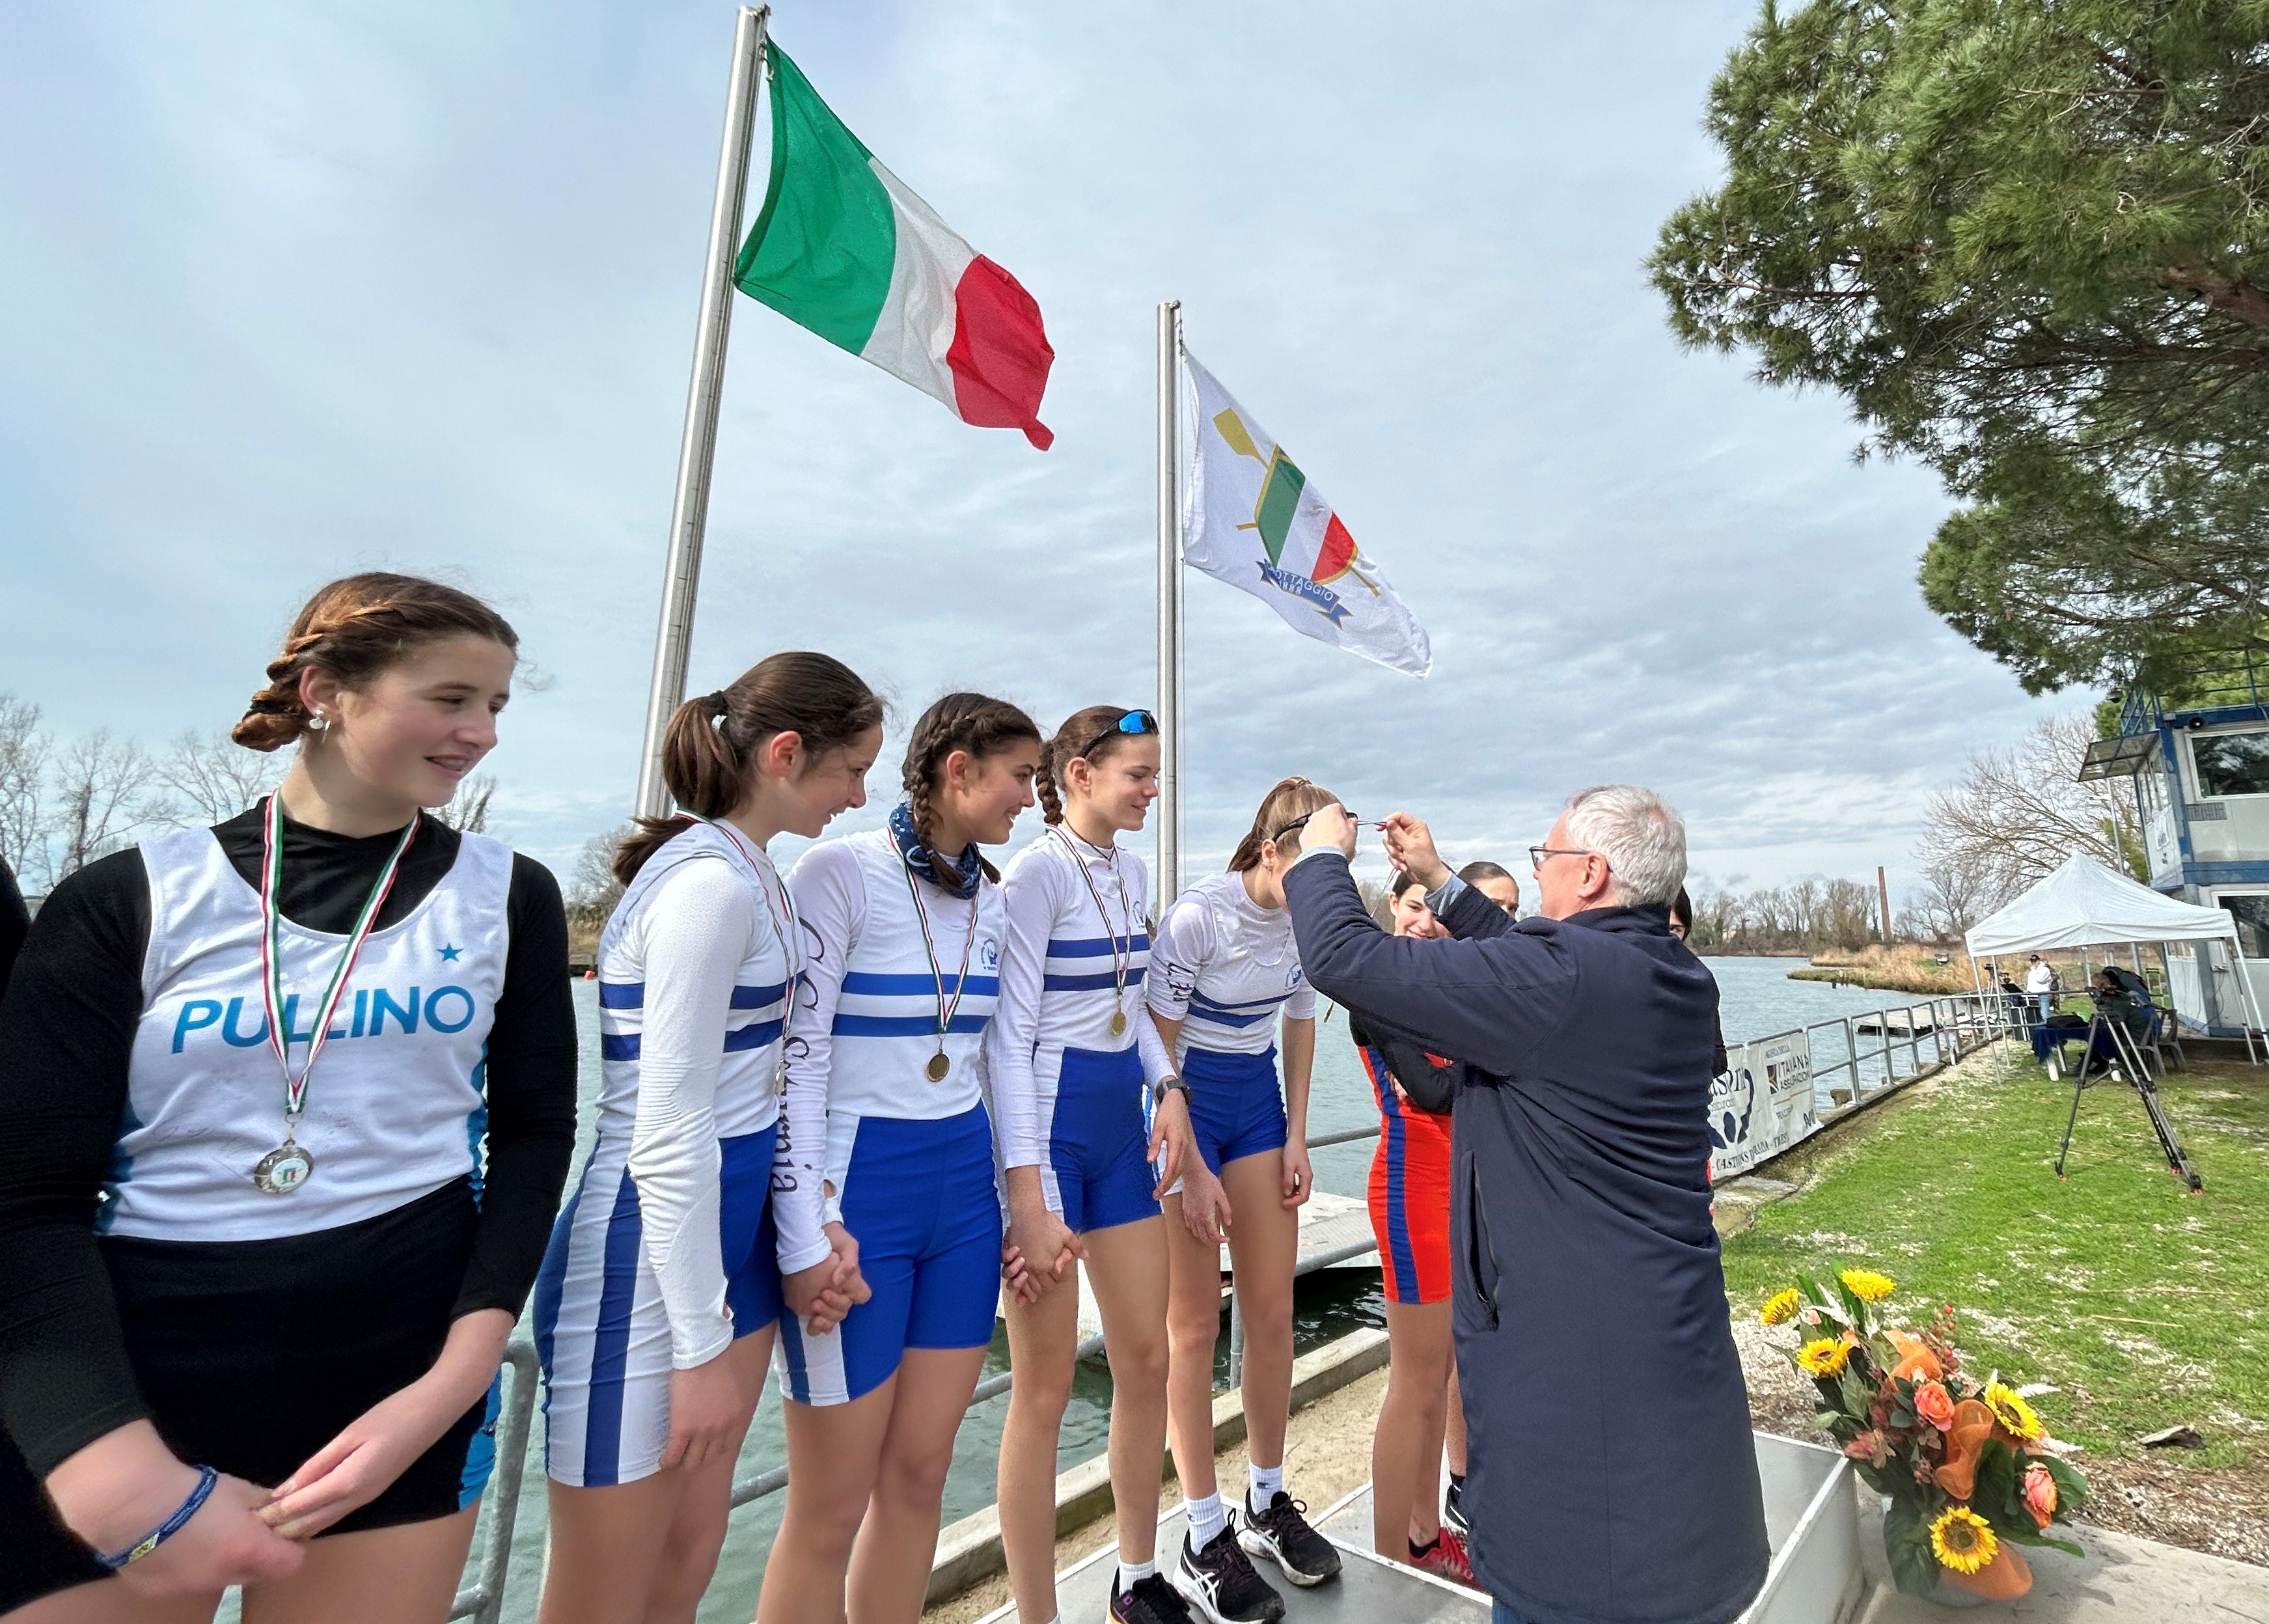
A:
(970, 722)
(1292, 798)
(353, 629)
(709, 748)
(1080, 729)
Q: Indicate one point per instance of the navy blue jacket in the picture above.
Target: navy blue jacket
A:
(1612, 1479)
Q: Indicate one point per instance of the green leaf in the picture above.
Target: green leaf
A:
(1996, 1497)
(1906, 1541)
(2072, 1488)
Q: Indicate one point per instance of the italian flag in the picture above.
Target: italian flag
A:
(841, 246)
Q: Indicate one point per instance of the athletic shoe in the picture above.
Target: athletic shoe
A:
(1306, 1557)
(1446, 1559)
(1151, 1601)
(1220, 1582)
(1453, 1514)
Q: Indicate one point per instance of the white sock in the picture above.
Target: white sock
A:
(1129, 1572)
(1206, 1520)
(1268, 1483)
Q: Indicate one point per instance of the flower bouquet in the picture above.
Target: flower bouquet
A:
(1964, 1463)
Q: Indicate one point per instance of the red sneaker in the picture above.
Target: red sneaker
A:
(1447, 1560)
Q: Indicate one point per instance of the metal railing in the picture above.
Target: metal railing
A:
(1956, 1024)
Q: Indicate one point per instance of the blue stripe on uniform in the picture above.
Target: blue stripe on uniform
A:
(622, 995)
(551, 1284)
(903, 1026)
(618, 1045)
(603, 1428)
(1403, 1256)
(758, 997)
(1102, 983)
(870, 984)
(755, 1035)
(1095, 946)
(1218, 1016)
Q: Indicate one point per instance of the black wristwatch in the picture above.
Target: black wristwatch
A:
(1168, 1085)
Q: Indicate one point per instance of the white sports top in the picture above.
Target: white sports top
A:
(1060, 966)
(1225, 966)
(395, 1108)
(872, 1019)
(694, 969)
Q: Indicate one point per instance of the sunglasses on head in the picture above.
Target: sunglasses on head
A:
(1301, 822)
(1136, 722)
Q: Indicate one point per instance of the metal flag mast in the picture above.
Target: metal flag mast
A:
(1170, 615)
(689, 512)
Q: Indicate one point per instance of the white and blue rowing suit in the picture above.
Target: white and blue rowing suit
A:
(667, 1251)
(1228, 969)
(1071, 1097)
(904, 1161)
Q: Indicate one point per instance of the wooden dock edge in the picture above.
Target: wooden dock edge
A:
(969, 1551)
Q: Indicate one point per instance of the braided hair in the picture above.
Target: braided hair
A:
(1086, 736)
(972, 723)
(354, 630)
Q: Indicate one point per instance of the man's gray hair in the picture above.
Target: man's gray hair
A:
(1641, 835)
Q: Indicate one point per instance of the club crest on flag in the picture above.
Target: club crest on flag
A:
(1256, 520)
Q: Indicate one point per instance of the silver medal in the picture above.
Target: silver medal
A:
(284, 1169)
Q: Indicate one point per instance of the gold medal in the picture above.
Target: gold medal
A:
(1119, 1024)
(1122, 935)
(938, 1066)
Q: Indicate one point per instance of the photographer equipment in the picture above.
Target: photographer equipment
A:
(2127, 1057)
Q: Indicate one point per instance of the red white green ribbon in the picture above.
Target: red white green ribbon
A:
(271, 967)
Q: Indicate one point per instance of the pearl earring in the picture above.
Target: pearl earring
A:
(318, 722)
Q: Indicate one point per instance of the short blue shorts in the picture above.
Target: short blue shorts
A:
(1096, 1141)
(601, 1329)
(1236, 1108)
(920, 1200)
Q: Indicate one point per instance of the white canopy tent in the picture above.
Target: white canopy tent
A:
(2085, 904)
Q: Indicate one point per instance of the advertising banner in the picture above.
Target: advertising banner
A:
(1763, 1103)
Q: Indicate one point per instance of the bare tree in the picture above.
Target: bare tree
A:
(469, 807)
(593, 891)
(211, 779)
(103, 798)
(24, 752)
(2018, 812)
(1951, 898)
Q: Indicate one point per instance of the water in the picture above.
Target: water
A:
(1756, 1000)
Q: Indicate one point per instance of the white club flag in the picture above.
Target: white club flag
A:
(1256, 521)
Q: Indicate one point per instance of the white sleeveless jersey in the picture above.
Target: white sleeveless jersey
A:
(1226, 968)
(395, 1108)
(873, 1015)
(748, 1099)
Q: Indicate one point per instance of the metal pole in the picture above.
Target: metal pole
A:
(697, 449)
(1170, 614)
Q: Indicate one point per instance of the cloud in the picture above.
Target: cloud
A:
(293, 292)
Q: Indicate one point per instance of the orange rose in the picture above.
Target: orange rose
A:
(1916, 1361)
(2040, 1495)
(1935, 1405)
(1973, 1424)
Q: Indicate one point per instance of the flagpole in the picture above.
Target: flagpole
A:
(697, 450)
(1169, 617)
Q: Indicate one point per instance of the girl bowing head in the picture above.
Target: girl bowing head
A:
(893, 1172)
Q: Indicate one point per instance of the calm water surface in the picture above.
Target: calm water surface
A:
(1756, 1000)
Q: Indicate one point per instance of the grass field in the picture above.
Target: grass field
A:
(2144, 1306)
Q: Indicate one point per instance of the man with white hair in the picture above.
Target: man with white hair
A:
(1611, 1478)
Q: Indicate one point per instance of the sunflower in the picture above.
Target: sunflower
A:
(1868, 1286)
(2010, 1410)
(1824, 1357)
(1963, 1541)
(1779, 1307)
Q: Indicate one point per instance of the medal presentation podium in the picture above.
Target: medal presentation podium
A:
(1811, 1520)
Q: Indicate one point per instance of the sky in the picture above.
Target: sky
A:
(291, 290)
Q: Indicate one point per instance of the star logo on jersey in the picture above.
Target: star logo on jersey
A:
(451, 953)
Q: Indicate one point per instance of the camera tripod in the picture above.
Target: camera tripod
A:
(2128, 1055)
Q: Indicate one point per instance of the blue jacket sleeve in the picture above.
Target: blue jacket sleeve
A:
(1473, 917)
(1487, 1003)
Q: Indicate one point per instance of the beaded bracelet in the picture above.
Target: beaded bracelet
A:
(114, 1559)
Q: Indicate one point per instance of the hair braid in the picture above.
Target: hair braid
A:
(973, 723)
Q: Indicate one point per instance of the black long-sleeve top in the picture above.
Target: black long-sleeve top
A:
(67, 1027)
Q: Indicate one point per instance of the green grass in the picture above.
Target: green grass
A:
(2143, 1305)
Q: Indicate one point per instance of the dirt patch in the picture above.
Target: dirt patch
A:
(2222, 1512)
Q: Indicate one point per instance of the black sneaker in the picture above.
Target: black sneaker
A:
(1220, 1585)
(1151, 1601)
(1452, 1513)
(1280, 1532)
